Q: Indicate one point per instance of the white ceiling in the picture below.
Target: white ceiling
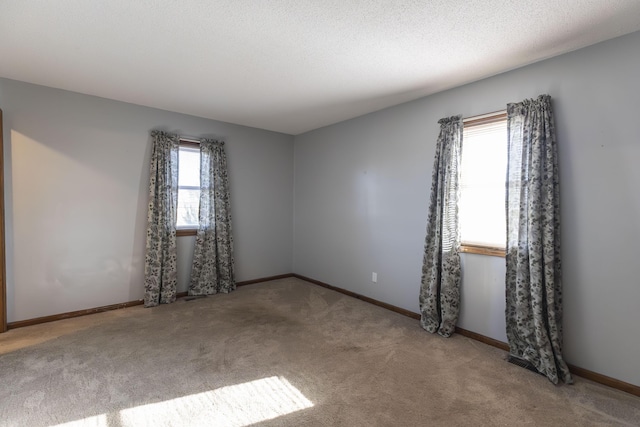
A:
(289, 65)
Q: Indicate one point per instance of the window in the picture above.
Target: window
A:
(483, 174)
(188, 187)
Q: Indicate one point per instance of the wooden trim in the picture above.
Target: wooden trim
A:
(3, 264)
(581, 372)
(70, 314)
(482, 250)
(605, 380)
(264, 279)
(483, 339)
(360, 297)
(495, 117)
(186, 232)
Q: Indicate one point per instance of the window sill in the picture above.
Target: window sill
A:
(482, 250)
(186, 232)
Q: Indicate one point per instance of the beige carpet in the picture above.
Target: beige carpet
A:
(280, 353)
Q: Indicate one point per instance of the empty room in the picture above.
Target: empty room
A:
(319, 213)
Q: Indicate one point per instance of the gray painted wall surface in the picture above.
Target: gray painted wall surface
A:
(76, 173)
(362, 192)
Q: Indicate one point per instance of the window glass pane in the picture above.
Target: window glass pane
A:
(189, 170)
(188, 207)
(188, 188)
(483, 174)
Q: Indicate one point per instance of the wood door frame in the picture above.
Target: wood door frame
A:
(3, 286)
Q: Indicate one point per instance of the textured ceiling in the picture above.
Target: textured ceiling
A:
(289, 65)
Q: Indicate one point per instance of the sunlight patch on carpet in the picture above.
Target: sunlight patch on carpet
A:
(232, 406)
(97, 421)
(237, 405)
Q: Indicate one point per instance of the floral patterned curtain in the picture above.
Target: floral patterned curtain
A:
(533, 279)
(160, 274)
(440, 288)
(213, 263)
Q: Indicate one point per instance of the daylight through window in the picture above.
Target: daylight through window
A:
(483, 175)
(188, 187)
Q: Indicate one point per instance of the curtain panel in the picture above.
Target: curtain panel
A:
(533, 265)
(213, 263)
(160, 273)
(440, 284)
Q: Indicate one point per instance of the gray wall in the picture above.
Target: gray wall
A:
(362, 189)
(76, 170)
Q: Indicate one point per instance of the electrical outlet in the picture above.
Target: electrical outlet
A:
(374, 277)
